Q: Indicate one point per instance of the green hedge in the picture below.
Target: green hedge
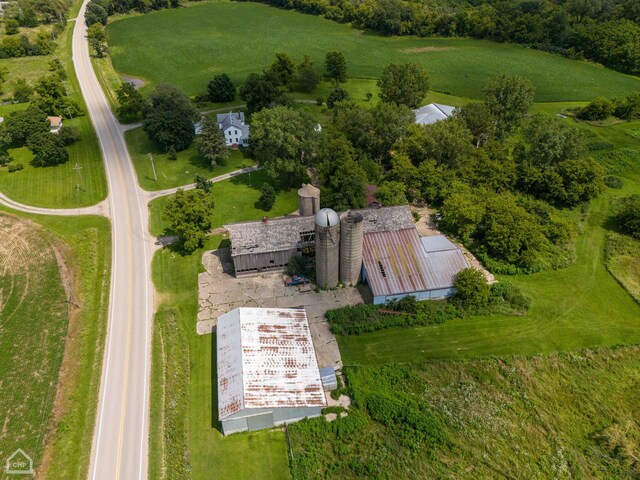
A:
(359, 319)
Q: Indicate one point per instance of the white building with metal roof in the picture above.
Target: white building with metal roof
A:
(268, 374)
(432, 113)
(400, 263)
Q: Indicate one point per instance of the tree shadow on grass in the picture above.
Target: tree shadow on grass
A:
(254, 180)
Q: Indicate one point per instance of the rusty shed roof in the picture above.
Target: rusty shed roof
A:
(266, 359)
(396, 263)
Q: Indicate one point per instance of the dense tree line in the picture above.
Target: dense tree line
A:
(98, 11)
(31, 13)
(605, 31)
(498, 176)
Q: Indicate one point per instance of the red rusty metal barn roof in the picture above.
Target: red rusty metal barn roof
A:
(266, 359)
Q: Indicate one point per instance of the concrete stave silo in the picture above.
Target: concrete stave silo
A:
(308, 200)
(327, 248)
(351, 241)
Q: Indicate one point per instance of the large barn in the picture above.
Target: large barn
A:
(378, 245)
(400, 263)
(268, 245)
(267, 369)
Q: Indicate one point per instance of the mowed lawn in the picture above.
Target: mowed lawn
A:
(185, 434)
(236, 200)
(62, 186)
(188, 46)
(178, 172)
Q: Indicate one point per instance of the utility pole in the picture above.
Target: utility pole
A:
(150, 156)
(77, 168)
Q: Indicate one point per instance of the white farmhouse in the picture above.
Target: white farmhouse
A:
(236, 133)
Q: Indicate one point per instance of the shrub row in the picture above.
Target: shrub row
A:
(359, 319)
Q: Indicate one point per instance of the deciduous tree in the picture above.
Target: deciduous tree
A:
(267, 196)
(472, 289)
(130, 102)
(284, 141)
(508, 98)
(403, 84)
(308, 76)
(336, 66)
(48, 150)
(98, 40)
(188, 214)
(167, 118)
(221, 89)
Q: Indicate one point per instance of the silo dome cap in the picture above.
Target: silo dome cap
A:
(327, 218)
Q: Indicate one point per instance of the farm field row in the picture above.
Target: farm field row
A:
(221, 39)
(60, 320)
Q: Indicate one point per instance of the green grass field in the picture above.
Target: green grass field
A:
(34, 317)
(175, 173)
(183, 408)
(38, 326)
(562, 416)
(57, 186)
(189, 45)
(236, 200)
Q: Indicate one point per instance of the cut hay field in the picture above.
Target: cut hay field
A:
(52, 327)
(34, 315)
(188, 46)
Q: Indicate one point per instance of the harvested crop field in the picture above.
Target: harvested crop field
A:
(34, 315)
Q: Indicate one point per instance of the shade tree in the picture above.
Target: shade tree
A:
(168, 118)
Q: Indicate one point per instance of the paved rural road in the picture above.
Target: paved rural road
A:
(120, 443)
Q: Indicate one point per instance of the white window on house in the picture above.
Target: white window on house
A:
(235, 132)
(236, 140)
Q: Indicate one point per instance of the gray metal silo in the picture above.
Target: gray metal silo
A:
(308, 200)
(351, 235)
(327, 248)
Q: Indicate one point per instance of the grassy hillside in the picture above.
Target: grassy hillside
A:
(56, 186)
(34, 317)
(189, 45)
(560, 416)
(49, 395)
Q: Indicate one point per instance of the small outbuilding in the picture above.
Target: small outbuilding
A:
(55, 124)
(432, 113)
(268, 374)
